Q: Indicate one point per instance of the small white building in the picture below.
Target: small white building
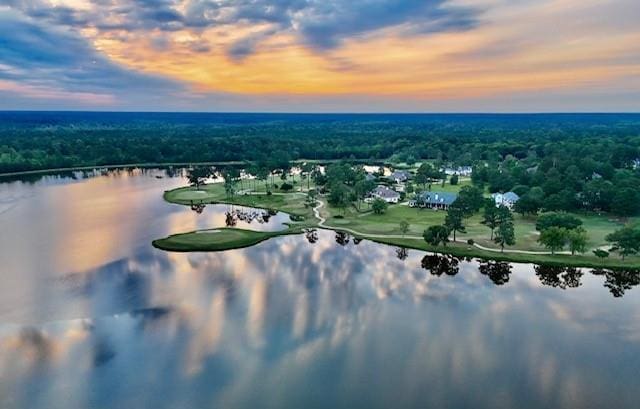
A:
(459, 171)
(505, 199)
(384, 193)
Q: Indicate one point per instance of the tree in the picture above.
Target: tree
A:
(554, 238)
(262, 173)
(505, 233)
(527, 204)
(626, 241)
(601, 254)
(339, 196)
(453, 181)
(307, 168)
(454, 220)
(404, 227)
(470, 200)
(379, 206)
(577, 240)
(361, 188)
(490, 218)
(626, 202)
(436, 235)
(198, 175)
(311, 197)
(563, 220)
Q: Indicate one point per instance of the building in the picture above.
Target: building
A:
(433, 200)
(384, 193)
(459, 171)
(505, 199)
(400, 176)
(369, 177)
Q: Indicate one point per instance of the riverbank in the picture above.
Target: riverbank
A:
(385, 229)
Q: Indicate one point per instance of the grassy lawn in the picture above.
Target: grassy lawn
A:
(292, 203)
(216, 239)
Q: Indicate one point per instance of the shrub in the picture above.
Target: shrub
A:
(286, 186)
(470, 242)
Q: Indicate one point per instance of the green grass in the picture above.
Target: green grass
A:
(217, 239)
(292, 203)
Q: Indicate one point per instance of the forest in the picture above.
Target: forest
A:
(553, 161)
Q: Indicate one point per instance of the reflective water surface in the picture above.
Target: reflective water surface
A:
(92, 316)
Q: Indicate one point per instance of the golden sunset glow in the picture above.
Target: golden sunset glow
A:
(245, 51)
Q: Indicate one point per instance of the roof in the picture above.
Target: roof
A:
(437, 197)
(399, 174)
(385, 192)
(369, 176)
(511, 197)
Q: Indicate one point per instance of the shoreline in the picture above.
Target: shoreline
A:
(161, 165)
(458, 249)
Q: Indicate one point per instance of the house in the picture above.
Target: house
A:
(384, 193)
(369, 177)
(507, 199)
(459, 171)
(433, 200)
(400, 176)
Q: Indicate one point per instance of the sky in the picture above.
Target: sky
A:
(321, 55)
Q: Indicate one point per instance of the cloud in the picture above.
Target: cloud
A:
(49, 58)
(319, 24)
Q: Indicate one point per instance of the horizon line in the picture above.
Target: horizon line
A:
(323, 112)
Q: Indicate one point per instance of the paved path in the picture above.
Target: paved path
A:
(322, 221)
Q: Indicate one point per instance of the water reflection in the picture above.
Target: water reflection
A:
(309, 320)
(441, 264)
(497, 271)
(558, 276)
(343, 238)
(402, 253)
(619, 281)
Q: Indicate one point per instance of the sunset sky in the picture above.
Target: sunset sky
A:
(321, 55)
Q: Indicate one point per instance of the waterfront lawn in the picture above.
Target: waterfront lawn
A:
(292, 203)
(214, 240)
(419, 219)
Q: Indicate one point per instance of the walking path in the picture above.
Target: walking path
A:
(322, 223)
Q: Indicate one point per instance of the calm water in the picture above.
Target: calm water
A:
(92, 316)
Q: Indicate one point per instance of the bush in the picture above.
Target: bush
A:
(470, 242)
(338, 216)
(268, 193)
(286, 186)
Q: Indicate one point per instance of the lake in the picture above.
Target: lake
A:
(91, 315)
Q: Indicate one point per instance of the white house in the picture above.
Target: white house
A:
(459, 171)
(505, 199)
(384, 193)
